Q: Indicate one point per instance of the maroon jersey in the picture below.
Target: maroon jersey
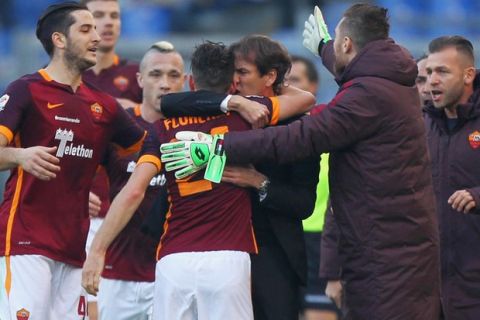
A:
(119, 80)
(131, 256)
(50, 218)
(204, 216)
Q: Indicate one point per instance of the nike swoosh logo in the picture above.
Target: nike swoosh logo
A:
(52, 106)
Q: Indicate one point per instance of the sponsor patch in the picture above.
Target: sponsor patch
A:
(3, 101)
(474, 139)
(23, 314)
(121, 83)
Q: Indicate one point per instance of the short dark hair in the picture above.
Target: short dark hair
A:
(266, 54)
(312, 73)
(56, 18)
(365, 23)
(422, 57)
(212, 67)
(460, 43)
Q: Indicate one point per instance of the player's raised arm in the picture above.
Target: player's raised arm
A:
(120, 212)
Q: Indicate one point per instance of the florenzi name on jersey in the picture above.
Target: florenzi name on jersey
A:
(158, 180)
(173, 123)
(67, 147)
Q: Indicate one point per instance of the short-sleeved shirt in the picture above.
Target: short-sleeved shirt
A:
(118, 80)
(204, 216)
(50, 218)
(131, 256)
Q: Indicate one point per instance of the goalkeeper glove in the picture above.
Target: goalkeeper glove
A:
(315, 31)
(194, 151)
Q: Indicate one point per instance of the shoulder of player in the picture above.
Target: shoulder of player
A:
(101, 97)
(128, 64)
(21, 85)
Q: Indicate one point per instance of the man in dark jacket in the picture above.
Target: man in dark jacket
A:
(381, 184)
(453, 131)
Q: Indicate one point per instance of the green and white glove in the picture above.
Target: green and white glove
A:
(193, 152)
(315, 31)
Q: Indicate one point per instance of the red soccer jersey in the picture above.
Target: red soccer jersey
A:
(120, 81)
(50, 218)
(204, 216)
(131, 256)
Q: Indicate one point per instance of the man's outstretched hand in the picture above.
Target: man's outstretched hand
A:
(315, 31)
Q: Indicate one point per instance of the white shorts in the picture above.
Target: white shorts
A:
(212, 285)
(125, 300)
(42, 288)
(95, 224)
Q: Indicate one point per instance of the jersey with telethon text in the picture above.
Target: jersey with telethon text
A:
(204, 216)
(120, 81)
(131, 256)
(50, 218)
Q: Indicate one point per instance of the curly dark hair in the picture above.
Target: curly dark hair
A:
(212, 67)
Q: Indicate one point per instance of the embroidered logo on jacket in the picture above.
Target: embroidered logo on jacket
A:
(474, 139)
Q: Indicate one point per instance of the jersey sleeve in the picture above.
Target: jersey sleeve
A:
(13, 105)
(151, 149)
(127, 134)
(273, 105)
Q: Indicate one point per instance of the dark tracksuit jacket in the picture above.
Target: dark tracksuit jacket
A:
(380, 182)
(455, 157)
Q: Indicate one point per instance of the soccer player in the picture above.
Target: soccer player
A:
(116, 77)
(204, 266)
(126, 289)
(54, 129)
(281, 195)
(112, 74)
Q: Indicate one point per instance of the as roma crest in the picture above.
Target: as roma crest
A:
(23, 314)
(474, 139)
(121, 83)
(97, 110)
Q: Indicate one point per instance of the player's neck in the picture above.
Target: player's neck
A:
(149, 114)
(268, 92)
(104, 60)
(64, 74)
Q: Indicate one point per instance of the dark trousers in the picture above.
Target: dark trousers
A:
(275, 285)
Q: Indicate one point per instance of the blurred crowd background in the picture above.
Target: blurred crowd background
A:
(189, 22)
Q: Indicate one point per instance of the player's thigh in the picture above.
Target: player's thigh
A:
(224, 285)
(174, 295)
(28, 281)
(69, 299)
(125, 300)
(4, 307)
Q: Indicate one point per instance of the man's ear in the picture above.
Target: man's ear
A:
(140, 80)
(191, 82)
(271, 77)
(347, 45)
(59, 40)
(469, 75)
